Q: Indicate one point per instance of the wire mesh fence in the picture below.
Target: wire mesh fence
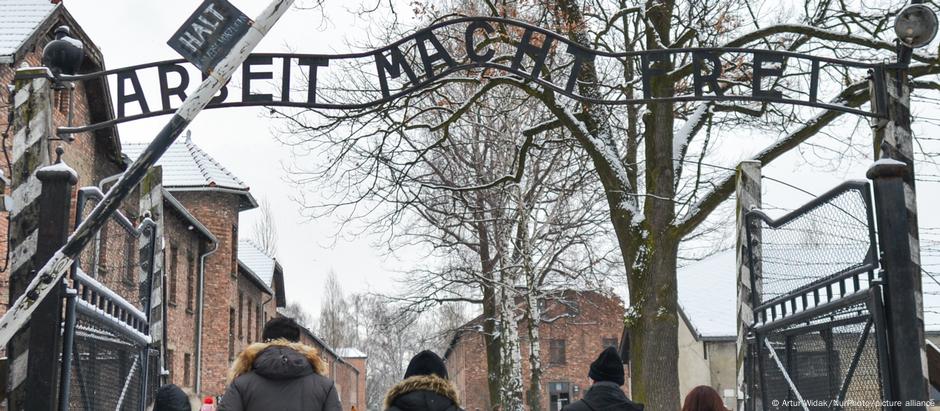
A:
(830, 236)
(107, 368)
(830, 362)
(108, 361)
(817, 341)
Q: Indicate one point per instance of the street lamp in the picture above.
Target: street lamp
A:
(63, 55)
(916, 25)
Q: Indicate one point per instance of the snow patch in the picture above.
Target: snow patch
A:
(60, 168)
(682, 137)
(612, 158)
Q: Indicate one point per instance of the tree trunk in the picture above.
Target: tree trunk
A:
(653, 359)
(654, 339)
(533, 317)
(510, 398)
(511, 368)
(491, 337)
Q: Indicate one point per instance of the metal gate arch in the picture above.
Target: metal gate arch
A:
(832, 305)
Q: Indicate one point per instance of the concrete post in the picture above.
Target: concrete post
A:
(32, 124)
(896, 208)
(748, 194)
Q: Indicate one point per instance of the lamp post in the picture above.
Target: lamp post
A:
(896, 207)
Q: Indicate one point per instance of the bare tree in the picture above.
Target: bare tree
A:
(264, 231)
(294, 311)
(650, 160)
(334, 325)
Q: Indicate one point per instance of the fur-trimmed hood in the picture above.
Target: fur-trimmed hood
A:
(283, 349)
(430, 383)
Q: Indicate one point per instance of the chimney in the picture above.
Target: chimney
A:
(55, 1)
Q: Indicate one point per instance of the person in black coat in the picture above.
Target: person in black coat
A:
(606, 393)
(425, 387)
(171, 398)
(280, 374)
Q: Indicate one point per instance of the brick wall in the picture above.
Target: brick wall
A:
(218, 212)
(360, 365)
(249, 315)
(181, 264)
(593, 320)
(84, 153)
(348, 374)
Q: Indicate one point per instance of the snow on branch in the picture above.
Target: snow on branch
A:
(853, 96)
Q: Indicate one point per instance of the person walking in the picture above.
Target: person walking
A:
(171, 398)
(280, 374)
(703, 398)
(606, 394)
(424, 388)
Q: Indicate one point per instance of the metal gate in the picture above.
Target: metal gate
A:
(107, 360)
(818, 340)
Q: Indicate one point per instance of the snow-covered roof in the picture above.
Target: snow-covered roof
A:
(18, 20)
(350, 352)
(255, 259)
(707, 295)
(186, 167)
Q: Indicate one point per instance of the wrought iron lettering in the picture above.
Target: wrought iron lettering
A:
(500, 47)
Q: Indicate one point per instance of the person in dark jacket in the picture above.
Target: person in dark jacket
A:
(425, 387)
(606, 393)
(280, 374)
(171, 398)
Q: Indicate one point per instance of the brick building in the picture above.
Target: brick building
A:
(215, 290)
(583, 323)
(347, 368)
(25, 28)
(214, 197)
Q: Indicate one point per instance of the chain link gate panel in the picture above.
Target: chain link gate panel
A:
(108, 361)
(818, 341)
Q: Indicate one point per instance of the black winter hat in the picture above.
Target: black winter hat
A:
(607, 367)
(171, 398)
(426, 363)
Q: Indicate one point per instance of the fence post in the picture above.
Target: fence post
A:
(748, 196)
(38, 225)
(900, 250)
(902, 285)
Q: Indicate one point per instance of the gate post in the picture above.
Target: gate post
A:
(748, 196)
(898, 238)
(902, 285)
(32, 233)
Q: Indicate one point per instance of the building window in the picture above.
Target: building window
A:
(187, 364)
(241, 302)
(169, 363)
(248, 322)
(174, 263)
(130, 250)
(190, 280)
(556, 351)
(258, 321)
(559, 395)
(234, 249)
(231, 334)
(105, 236)
(609, 342)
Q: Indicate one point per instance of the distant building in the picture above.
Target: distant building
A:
(347, 368)
(583, 324)
(708, 325)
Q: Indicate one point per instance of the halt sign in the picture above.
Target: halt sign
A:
(209, 33)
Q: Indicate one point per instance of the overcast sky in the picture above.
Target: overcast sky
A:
(135, 32)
